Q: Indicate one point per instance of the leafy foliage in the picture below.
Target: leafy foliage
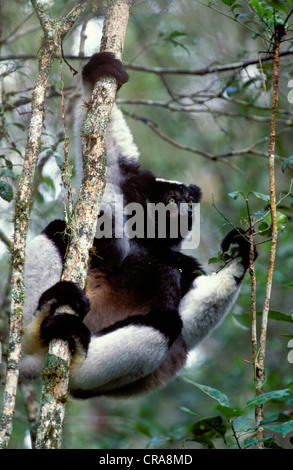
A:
(229, 121)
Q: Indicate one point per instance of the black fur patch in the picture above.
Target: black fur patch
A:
(101, 65)
(168, 323)
(239, 238)
(67, 327)
(66, 293)
(56, 231)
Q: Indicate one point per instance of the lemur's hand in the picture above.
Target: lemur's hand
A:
(64, 325)
(104, 64)
(239, 238)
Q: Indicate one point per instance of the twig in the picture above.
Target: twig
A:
(164, 70)
(253, 287)
(215, 157)
(234, 433)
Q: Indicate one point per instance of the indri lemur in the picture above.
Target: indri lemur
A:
(146, 304)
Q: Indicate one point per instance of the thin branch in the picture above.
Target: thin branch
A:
(260, 367)
(215, 157)
(204, 70)
(14, 34)
(190, 108)
(252, 287)
(164, 70)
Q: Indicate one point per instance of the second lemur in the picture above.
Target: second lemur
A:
(146, 304)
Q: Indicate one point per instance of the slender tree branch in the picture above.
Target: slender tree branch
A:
(170, 70)
(191, 108)
(260, 362)
(252, 288)
(216, 157)
(204, 70)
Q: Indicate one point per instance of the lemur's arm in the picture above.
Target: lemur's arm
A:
(119, 138)
(211, 296)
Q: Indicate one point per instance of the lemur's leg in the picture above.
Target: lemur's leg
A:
(119, 137)
(126, 353)
(43, 264)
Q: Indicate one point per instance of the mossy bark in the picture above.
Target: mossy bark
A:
(54, 31)
(83, 223)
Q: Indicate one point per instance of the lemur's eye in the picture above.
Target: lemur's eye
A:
(171, 200)
(190, 203)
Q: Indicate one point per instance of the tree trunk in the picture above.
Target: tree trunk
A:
(83, 227)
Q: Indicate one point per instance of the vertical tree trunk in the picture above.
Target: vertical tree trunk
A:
(23, 204)
(83, 229)
(260, 360)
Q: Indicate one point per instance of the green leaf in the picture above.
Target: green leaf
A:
(6, 191)
(49, 182)
(7, 173)
(266, 224)
(207, 428)
(245, 318)
(59, 161)
(242, 424)
(228, 2)
(279, 316)
(282, 219)
(234, 194)
(236, 6)
(214, 260)
(259, 400)
(279, 418)
(264, 229)
(287, 336)
(283, 428)
(173, 39)
(220, 397)
(228, 412)
(188, 411)
(257, 6)
(264, 197)
(269, 442)
(286, 163)
(278, 5)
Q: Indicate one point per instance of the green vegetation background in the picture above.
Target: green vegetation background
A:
(185, 34)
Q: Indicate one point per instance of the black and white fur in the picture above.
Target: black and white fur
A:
(146, 305)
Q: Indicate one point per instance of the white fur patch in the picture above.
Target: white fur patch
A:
(208, 301)
(120, 357)
(168, 181)
(43, 268)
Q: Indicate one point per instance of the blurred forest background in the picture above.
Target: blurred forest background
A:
(211, 130)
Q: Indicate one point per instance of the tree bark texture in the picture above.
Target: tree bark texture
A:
(83, 226)
(53, 32)
(260, 360)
